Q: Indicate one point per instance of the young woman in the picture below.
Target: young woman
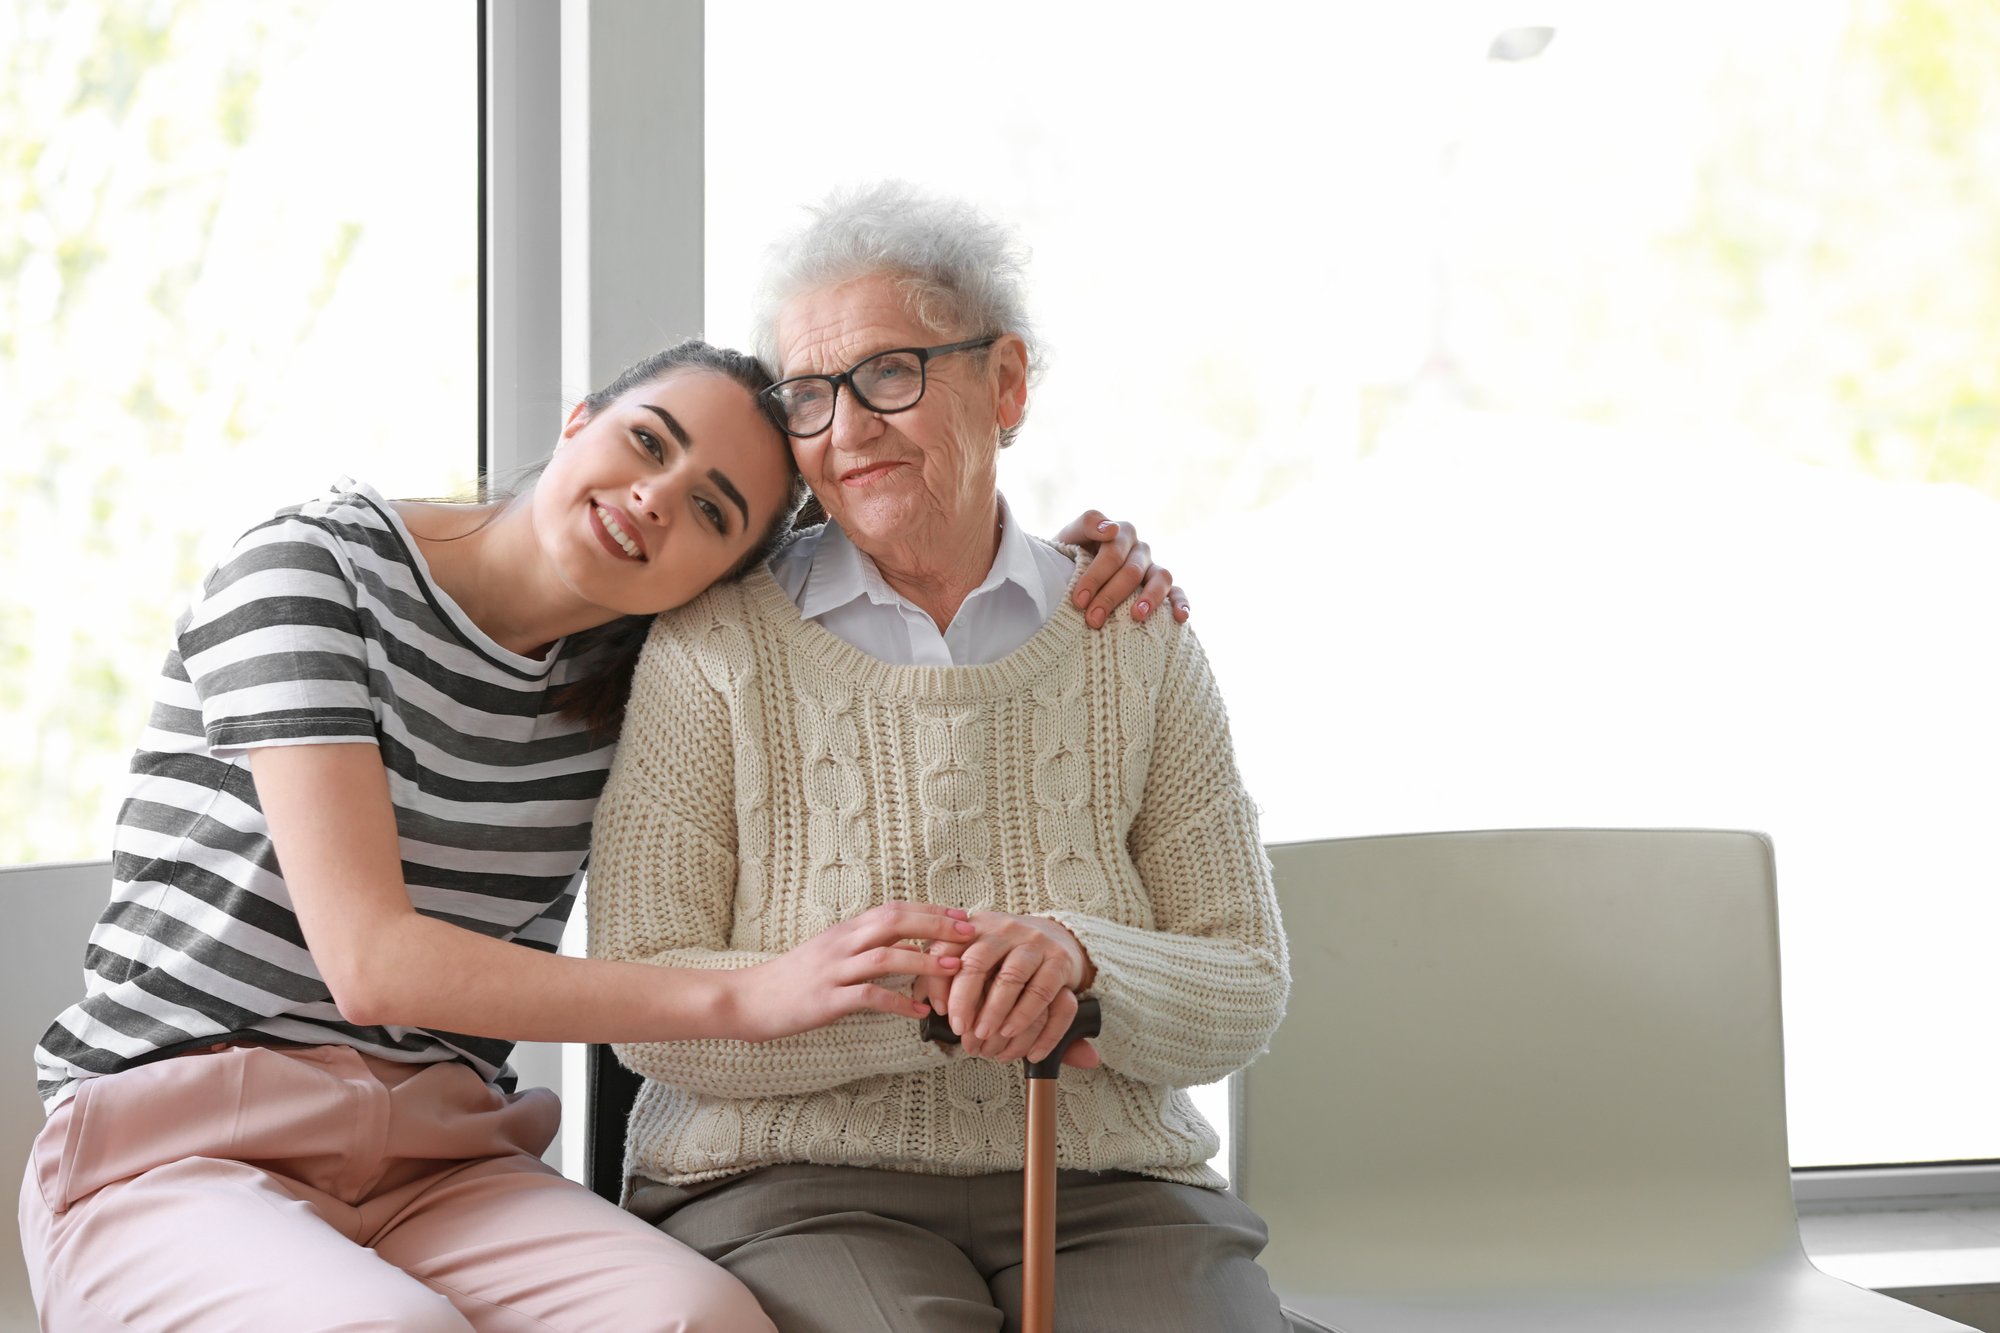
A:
(370, 772)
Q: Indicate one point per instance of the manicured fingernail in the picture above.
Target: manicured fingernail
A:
(1142, 608)
(957, 913)
(965, 927)
(948, 962)
(1082, 597)
(1106, 526)
(1097, 618)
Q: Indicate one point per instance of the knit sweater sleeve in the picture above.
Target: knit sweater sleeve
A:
(1199, 994)
(664, 870)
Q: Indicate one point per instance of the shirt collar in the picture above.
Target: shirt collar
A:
(841, 571)
(1015, 563)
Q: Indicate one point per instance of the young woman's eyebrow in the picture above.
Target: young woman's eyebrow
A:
(723, 484)
(674, 428)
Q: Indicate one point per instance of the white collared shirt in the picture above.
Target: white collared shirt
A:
(836, 585)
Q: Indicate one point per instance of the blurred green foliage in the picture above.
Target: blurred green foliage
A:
(206, 249)
(107, 165)
(1850, 247)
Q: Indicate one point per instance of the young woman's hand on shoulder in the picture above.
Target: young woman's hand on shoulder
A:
(1122, 566)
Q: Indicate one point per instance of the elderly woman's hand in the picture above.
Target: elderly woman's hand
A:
(1123, 565)
(1014, 993)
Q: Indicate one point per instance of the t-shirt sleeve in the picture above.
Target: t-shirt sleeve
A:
(274, 646)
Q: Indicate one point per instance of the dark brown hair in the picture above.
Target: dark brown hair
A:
(597, 698)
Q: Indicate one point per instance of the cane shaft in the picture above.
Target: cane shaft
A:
(1038, 1179)
(1038, 1211)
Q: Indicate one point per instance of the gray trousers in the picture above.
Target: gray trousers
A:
(844, 1249)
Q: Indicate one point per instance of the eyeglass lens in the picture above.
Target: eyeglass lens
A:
(893, 379)
(886, 382)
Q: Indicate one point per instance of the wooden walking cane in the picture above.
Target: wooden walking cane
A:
(1038, 1172)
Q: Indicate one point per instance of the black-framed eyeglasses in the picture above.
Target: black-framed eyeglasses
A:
(891, 381)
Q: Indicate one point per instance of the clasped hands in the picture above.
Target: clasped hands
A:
(1006, 983)
(1013, 992)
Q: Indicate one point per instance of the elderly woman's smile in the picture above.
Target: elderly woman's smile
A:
(867, 474)
(914, 486)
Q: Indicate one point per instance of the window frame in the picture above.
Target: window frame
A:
(585, 267)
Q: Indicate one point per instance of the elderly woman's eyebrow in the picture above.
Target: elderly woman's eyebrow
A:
(674, 427)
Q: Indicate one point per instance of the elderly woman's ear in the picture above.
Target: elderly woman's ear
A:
(1007, 365)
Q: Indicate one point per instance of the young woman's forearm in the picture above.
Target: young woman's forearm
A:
(387, 964)
(420, 972)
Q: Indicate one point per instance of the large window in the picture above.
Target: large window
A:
(1582, 424)
(1591, 424)
(238, 254)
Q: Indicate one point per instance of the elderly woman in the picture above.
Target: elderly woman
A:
(905, 705)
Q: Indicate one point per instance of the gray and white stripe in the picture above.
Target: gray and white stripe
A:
(323, 626)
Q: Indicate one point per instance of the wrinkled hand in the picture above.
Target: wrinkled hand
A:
(837, 972)
(1122, 565)
(1014, 994)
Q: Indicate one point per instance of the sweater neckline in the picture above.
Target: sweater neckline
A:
(1055, 642)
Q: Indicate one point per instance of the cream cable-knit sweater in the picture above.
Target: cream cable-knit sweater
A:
(772, 780)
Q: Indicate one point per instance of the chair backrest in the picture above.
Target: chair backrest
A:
(49, 910)
(1521, 1058)
(611, 1089)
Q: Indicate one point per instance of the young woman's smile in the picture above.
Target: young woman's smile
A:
(615, 528)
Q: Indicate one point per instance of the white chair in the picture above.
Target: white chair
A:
(1532, 1082)
(49, 910)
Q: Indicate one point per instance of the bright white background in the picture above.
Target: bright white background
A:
(1541, 442)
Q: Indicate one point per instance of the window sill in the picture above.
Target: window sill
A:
(1910, 1244)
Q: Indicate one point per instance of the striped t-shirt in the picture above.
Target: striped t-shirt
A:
(323, 626)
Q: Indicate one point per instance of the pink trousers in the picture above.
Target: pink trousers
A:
(316, 1188)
